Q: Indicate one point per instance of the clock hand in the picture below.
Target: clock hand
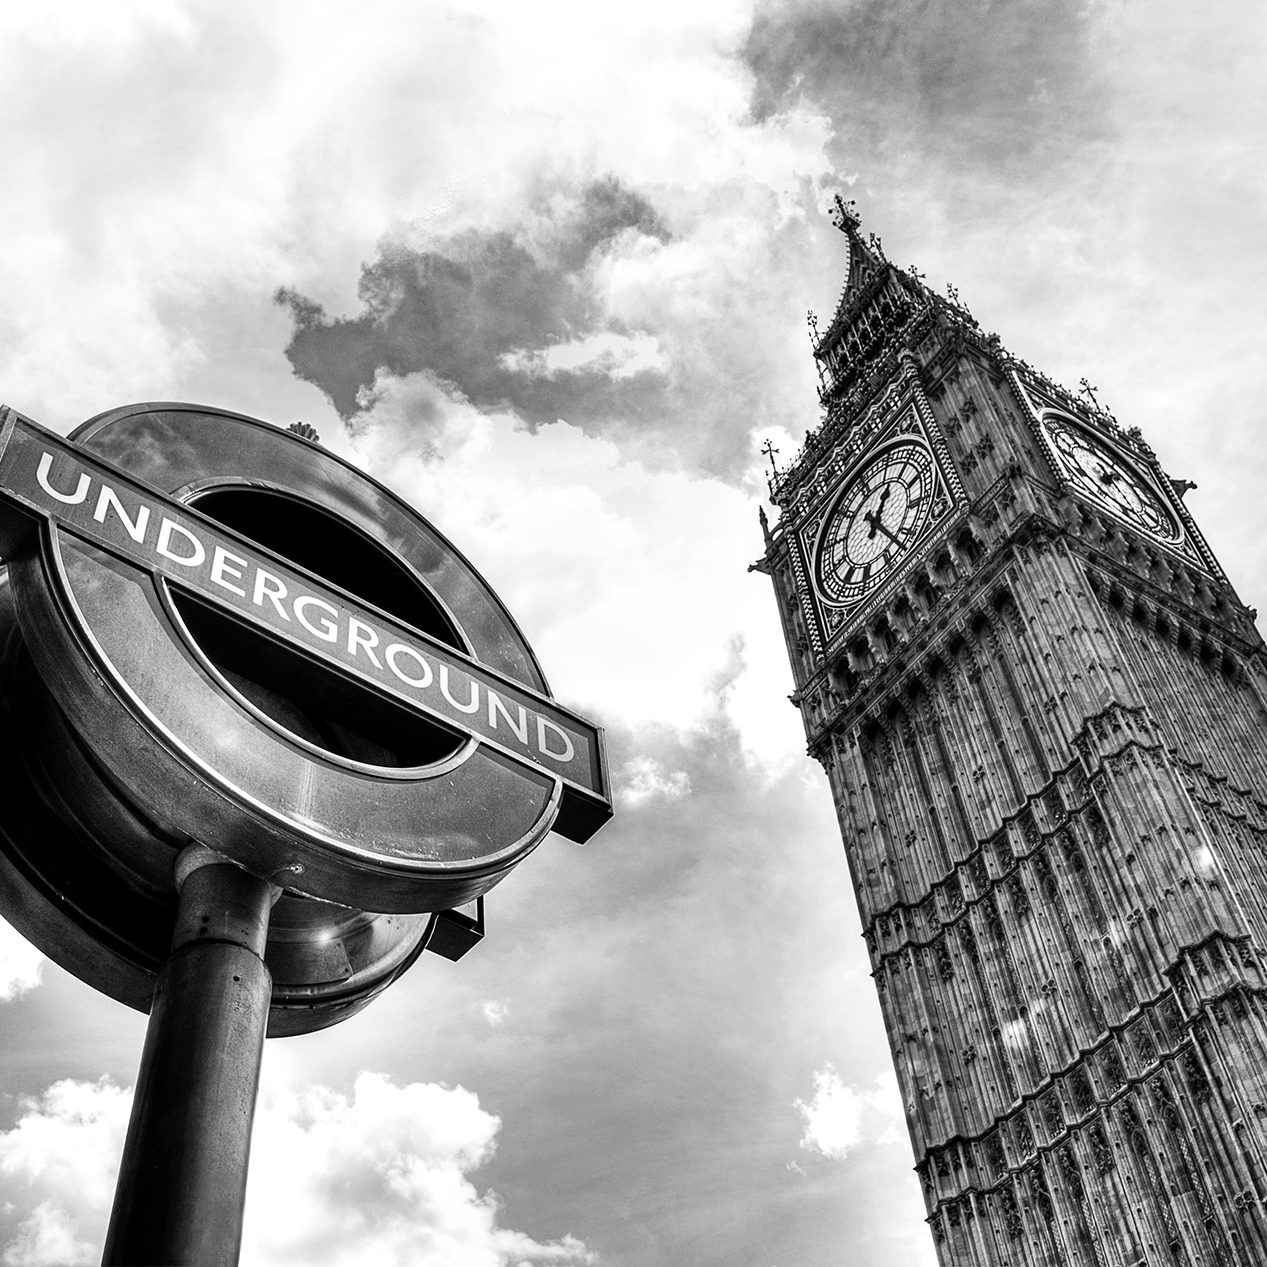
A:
(873, 516)
(877, 524)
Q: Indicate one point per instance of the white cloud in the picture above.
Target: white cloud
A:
(87, 24)
(494, 1011)
(60, 1162)
(336, 1180)
(380, 1176)
(21, 965)
(177, 164)
(644, 778)
(616, 355)
(838, 1117)
(649, 609)
(144, 254)
(48, 1236)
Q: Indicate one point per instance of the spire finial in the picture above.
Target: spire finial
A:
(769, 450)
(864, 253)
(844, 214)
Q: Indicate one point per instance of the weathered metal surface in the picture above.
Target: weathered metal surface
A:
(182, 1182)
(86, 500)
(157, 706)
(116, 588)
(86, 879)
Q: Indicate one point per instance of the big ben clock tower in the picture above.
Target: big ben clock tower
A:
(1041, 709)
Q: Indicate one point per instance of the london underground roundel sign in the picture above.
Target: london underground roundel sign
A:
(216, 632)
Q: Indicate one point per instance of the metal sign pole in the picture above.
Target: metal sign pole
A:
(183, 1177)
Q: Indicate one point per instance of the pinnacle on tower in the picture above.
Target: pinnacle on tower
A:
(866, 256)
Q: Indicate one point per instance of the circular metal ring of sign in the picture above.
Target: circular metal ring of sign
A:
(106, 914)
(171, 717)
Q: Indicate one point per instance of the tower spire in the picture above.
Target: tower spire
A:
(866, 255)
(876, 300)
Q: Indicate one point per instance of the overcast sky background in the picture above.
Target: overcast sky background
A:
(544, 269)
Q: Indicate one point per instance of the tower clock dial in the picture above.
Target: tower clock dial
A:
(878, 516)
(1098, 471)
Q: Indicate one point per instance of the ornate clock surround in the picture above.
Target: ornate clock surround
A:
(1047, 415)
(833, 604)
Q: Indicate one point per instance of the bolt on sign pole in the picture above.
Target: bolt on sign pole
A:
(182, 1182)
(228, 656)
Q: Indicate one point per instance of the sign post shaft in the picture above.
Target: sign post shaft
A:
(182, 1181)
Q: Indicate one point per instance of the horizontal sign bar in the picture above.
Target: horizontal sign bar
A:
(44, 473)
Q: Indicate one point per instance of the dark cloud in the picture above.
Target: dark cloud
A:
(988, 82)
(479, 312)
(460, 310)
(606, 209)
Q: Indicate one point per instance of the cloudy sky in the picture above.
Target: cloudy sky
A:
(544, 269)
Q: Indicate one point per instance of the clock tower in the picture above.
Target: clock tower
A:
(1042, 711)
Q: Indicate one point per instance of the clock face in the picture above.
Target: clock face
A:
(1099, 472)
(878, 516)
